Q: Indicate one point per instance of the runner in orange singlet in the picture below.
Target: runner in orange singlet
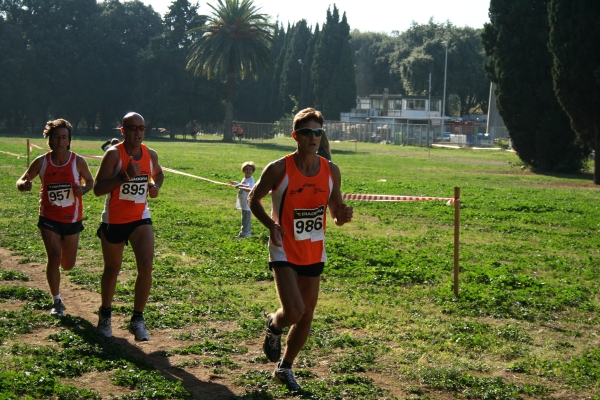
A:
(128, 174)
(302, 186)
(60, 171)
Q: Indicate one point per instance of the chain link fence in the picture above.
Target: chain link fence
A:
(405, 134)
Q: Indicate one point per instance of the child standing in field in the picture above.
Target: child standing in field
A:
(248, 169)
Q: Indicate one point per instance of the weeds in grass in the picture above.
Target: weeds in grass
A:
(528, 301)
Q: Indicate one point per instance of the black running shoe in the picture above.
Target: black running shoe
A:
(285, 376)
(272, 344)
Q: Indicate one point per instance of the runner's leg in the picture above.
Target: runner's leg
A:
(53, 249)
(113, 257)
(69, 245)
(296, 338)
(142, 243)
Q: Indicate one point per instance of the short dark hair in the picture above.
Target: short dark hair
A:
(308, 114)
(55, 124)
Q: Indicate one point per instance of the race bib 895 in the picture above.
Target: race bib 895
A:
(308, 224)
(60, 194)
(135, 190)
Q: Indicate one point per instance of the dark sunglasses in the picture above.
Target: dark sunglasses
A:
(133, 128)
(307, 131)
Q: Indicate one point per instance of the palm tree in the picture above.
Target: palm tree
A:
(235, 40)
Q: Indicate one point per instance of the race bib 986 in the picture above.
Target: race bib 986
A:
(135, 190)
(60, 194)
(308, 224)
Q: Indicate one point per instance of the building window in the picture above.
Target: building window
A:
(395, 104)
(435, 105)
(377, 103)
(415, 105)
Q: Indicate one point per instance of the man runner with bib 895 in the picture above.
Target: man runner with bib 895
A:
(302, 186)
(128, 174)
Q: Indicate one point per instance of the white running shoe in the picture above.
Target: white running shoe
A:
(58, 309)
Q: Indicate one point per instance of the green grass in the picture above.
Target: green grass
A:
(525, 325)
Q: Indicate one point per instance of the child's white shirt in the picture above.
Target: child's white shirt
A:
(242, 197)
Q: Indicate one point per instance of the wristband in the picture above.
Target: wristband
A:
(156, 185)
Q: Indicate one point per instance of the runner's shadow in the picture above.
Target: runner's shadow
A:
(115, 349)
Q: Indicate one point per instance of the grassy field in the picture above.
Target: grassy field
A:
(525, 325)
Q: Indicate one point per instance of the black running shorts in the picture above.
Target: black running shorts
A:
(60, 228)
(119, 233)
(313, 270)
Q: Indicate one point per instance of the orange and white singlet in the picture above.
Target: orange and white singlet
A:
(57, 200)
(299, 206)
(129, 202)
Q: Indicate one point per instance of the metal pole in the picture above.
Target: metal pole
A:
(28, 147)
(456, 236)
(444, 98)
(429, 119)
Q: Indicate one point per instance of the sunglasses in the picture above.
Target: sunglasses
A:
(307, 131)
(133, 128)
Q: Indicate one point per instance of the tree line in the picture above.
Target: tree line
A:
(545, 60)
(91, 61)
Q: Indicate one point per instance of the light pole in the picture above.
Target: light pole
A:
(301, 83)
(445, 43)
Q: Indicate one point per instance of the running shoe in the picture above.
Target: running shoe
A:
(58, 308)
(272, 343)
(104, 325)
(138, 329)
(285, 376)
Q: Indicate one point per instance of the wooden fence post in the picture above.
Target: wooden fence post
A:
(456, 236)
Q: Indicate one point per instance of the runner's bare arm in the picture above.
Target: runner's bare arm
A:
(24, 182)
(157, 175)
(106, 178)
(84, 172)
(340, 212)
(270, 177)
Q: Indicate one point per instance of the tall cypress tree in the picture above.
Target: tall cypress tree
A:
(520, 64)
(341, 94)
(291, 75)
(574, 39)
(325, 57)
(307, 96)
(333, 67)
(275, 108)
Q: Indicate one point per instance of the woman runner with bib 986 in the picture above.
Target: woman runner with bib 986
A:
(60, 171)
(302, 186)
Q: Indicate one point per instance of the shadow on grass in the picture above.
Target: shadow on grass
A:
(115, 349)
(583, 175)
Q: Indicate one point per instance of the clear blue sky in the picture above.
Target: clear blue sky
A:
(367, 15)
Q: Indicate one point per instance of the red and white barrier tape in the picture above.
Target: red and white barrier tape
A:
(194, 176)
(385, 197)
(11, 154)
(345, 196)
